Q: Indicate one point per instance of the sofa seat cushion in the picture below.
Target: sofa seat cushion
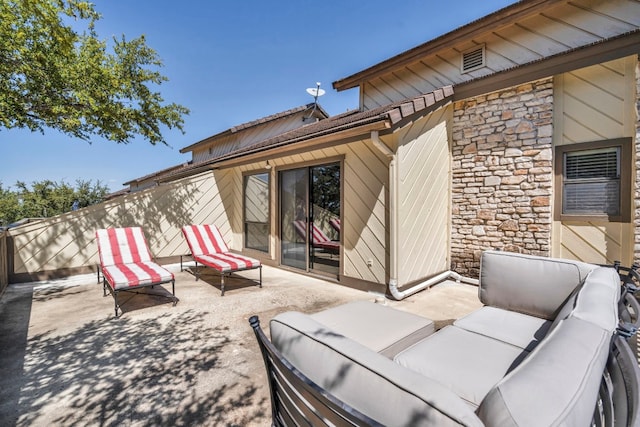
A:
(513, 328)
(383, 329)
(469, 364)
(364, 379)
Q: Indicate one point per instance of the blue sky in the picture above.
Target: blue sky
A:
(230, 62)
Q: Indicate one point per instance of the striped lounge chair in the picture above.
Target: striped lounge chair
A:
(320, 240)
(126, 263)
(209, 249)
(335, 224)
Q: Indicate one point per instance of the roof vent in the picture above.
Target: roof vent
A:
(473, 59)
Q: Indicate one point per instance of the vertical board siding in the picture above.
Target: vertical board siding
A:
(424, 175)
(556, 30)
(593, 104)
(68, 240)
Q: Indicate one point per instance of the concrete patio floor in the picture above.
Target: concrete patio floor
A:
(66, 360)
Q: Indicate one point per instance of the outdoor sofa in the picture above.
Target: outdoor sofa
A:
(547, 348)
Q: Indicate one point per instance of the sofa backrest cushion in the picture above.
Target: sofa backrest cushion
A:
(364, 379)
(533, 285)
(557, 384)
(597, 301)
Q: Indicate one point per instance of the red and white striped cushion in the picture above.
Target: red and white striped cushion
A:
(227, 262)
(320, 239)
(204, 239)
(125, 259)
(318, 236)
(122, 276)
(209, 248)
(122, 246)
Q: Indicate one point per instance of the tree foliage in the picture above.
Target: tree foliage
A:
(52, 76)
(47, 198)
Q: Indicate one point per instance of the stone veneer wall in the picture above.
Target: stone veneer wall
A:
(502, 174)
(636, 219)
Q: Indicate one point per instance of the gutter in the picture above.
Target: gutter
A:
(393, 233)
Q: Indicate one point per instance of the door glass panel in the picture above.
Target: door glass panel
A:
(324, 244)
(293, 215)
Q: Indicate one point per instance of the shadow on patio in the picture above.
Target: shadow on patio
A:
(70, 362)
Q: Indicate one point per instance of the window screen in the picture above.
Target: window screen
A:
(592, 182)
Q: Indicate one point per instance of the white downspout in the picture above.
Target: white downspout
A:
(393, 233)
(393, 217)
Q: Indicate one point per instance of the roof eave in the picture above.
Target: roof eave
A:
(501, 17)
(263, 152)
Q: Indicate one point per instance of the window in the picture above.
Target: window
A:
(256, 211)
(594, 180)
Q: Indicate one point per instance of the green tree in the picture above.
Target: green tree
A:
(52, 76)
(9, 206)
(47, 198)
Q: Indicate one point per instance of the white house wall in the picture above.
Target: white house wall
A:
(592, 104)
(556, 30)
(424, 177)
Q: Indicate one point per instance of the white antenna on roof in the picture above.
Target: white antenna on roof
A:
(315, 92)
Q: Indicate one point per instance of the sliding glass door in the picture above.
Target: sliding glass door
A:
(293, 217)
(310, 218)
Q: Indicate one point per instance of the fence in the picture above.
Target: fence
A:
(4, 262)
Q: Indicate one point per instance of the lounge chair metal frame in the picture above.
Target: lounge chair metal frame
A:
(295, 399)
(114, 292)
(197, 273)
(223, 251)
(112, 287)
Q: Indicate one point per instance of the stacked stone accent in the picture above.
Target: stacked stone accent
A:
(502, 174)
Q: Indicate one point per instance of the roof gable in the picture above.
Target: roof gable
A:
(236, 132)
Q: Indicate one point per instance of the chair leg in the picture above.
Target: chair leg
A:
(260, 276)
(222, 283)
(197, 273)
(115, 299)
(173, 291)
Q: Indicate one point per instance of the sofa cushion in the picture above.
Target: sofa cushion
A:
(557, 384)
(364, 379)
(532, 285)
(597, 301)
(383, 329)
(513, 328)
(469, 364)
